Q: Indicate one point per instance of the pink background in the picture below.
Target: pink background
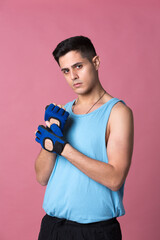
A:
(126, 35)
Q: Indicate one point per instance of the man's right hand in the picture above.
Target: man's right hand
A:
(56, 114)
(51, 139)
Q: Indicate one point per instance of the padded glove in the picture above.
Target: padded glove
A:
(56, 112)
(53, 135)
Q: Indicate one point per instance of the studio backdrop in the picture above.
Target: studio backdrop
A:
(126, 35)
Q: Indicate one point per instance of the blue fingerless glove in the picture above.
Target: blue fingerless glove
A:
(53, 135)
(56, 112)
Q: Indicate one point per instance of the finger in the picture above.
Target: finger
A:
(61, 111)
(56, 130)
(53, 120)
(38, 134)
(49, 107)
(41, 128)
(48, 124)
(60, 106)
(46, 107)
(37, 139)
(66, 114)
(56, 109)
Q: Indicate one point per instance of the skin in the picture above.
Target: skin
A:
(119, 134)
(45, 160)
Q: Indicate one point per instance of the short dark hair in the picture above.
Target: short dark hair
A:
(77, 43)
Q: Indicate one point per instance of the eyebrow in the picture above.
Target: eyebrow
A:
(74, 65)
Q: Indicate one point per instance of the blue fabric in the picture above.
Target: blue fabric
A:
(55, 112)
(70, 193)
(53, 133)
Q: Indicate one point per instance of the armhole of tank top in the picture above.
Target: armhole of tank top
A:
(122, 101)
(111, 105)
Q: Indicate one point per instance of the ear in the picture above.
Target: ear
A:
(96, 62)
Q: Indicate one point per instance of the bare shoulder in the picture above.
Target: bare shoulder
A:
(120, 114)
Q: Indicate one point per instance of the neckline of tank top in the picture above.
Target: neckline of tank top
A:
(90, 113)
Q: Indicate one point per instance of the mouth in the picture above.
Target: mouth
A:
(76, 85)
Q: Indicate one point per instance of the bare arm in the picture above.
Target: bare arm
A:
(45, 160)
(44, 165)
(119, 150)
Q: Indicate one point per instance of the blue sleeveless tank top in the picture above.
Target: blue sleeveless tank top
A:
(70, 193)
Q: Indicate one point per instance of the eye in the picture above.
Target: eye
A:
(65, 71)
(79, 66)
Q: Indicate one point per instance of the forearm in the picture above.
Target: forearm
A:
(99, 171)
(44, 165)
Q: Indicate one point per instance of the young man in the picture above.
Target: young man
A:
(86, 152)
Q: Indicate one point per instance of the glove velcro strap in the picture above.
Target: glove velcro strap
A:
(58, 147)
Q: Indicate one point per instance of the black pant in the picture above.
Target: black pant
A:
(53, 228)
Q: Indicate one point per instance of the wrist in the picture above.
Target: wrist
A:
(66, 150)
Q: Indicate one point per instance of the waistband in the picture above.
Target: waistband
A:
(63, 221)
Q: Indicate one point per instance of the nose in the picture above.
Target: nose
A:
(73, 74)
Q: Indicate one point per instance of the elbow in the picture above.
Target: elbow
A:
(115, 185)
(41, 180)
(115, 188)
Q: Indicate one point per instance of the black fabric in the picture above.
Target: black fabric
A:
(58, 147)
(53, 228)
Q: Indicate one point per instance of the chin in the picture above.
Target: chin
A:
(80, 91)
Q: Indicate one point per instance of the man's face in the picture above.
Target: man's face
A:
(80, 73)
